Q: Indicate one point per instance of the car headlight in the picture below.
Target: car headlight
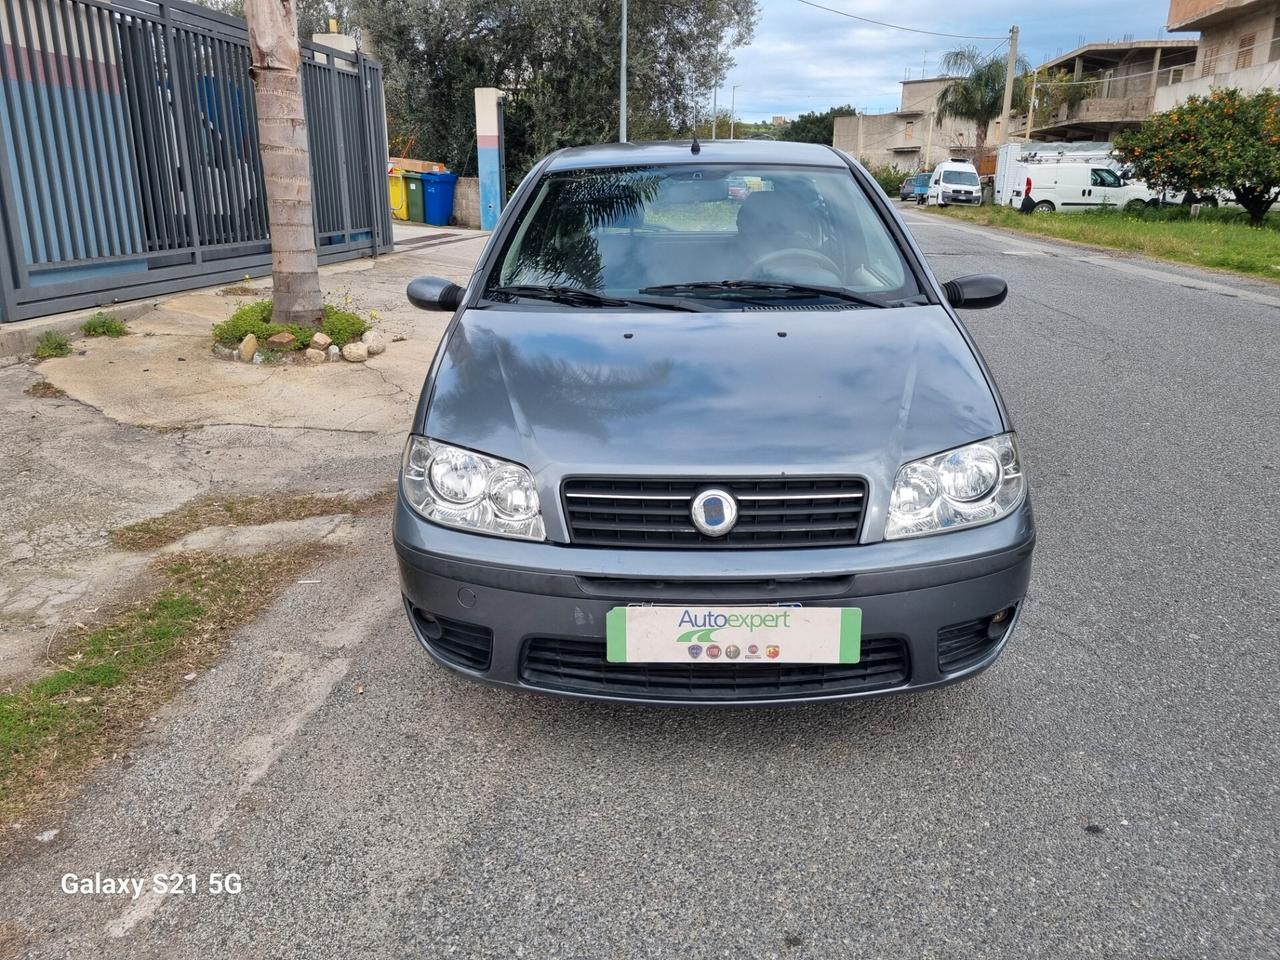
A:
(964, 487)
(460, 488)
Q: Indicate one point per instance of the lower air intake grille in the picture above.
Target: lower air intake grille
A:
(962, 645)
(579, 666)
(465, 644)
(772, 512)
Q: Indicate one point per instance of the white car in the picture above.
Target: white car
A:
(954, 181)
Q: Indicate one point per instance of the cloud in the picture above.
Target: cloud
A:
(806, 59)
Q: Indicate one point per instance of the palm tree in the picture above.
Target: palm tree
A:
(286, 162)
(977, 93)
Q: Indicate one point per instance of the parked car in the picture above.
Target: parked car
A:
(713, 459)
(954, 181)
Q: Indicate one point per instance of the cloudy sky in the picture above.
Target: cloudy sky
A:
(806, 59)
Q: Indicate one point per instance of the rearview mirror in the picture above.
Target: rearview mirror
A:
(434, 293)
(976, 292)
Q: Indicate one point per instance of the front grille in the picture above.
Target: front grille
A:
(772, 512)
(466, 644)
(962, 645)
(579, 666)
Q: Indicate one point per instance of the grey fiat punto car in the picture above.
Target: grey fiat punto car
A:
(705, 428)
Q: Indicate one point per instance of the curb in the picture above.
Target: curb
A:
(19, 339)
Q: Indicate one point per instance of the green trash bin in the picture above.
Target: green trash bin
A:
(414, 193)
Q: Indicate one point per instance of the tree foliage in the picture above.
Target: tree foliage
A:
(1225, 141)
(313, 15)
(977, 93)
(815, 127)
(1059, 88)
(558, 62)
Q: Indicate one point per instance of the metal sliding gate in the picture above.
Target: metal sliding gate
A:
(129, 159)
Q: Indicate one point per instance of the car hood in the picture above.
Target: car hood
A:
(757, 392)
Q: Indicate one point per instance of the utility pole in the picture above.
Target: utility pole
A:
(1008, 84)
(622, 81)
(733, 100)
(859, 156)
(714, 91)
(1031, 102)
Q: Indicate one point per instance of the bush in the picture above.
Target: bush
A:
(52, 344)
(889, 177)
(340, 326)
(104, 325)
(255, 318)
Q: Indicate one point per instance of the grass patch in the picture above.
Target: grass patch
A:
(45, 390)
(103, 324)
(340, 326)
(1218, 239)
(238, 511)
(55, 727)
(52, 344)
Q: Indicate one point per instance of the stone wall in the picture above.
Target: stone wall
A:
(466, 203)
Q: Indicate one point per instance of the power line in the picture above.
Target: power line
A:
(894, 26)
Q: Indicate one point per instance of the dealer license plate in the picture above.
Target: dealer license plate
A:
(734, 634)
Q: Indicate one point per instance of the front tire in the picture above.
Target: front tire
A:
(1133, 206)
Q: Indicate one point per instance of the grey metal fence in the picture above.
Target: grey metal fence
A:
(129, 160)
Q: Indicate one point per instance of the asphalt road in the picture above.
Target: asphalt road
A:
(1108, 789)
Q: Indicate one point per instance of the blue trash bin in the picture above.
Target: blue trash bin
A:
(438, 197)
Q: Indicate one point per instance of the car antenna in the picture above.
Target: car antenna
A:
(695, 148)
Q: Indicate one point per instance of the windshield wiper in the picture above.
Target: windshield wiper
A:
(578, 297)
(754, 288)
(561, 294)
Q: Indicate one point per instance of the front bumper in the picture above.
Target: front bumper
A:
(531, 615)
(974, 199)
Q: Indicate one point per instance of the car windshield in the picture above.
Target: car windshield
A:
(718, 234)
(963, 177)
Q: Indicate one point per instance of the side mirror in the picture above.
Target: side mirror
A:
(434, 293)
(976, 292)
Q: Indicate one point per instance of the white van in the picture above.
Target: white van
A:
(954, 181)
(1072, 186)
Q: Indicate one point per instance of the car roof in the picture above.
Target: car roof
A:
(665, 152)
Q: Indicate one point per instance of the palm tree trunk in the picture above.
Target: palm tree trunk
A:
(286, 160)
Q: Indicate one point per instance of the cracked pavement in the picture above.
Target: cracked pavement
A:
(1106, 790)
(153, 420)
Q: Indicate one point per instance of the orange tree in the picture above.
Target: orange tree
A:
(1225, 141)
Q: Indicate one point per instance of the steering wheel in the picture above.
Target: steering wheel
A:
(813, 257)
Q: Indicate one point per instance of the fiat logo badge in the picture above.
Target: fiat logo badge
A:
(714, 512)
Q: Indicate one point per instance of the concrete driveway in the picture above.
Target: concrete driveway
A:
(1107, 790)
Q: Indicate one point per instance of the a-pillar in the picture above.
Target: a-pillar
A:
(489, 151)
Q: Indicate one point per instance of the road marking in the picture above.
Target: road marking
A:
(1104, 260)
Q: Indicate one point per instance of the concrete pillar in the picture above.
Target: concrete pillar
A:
(489, 154)
(1155, 72)
(1079, 68)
